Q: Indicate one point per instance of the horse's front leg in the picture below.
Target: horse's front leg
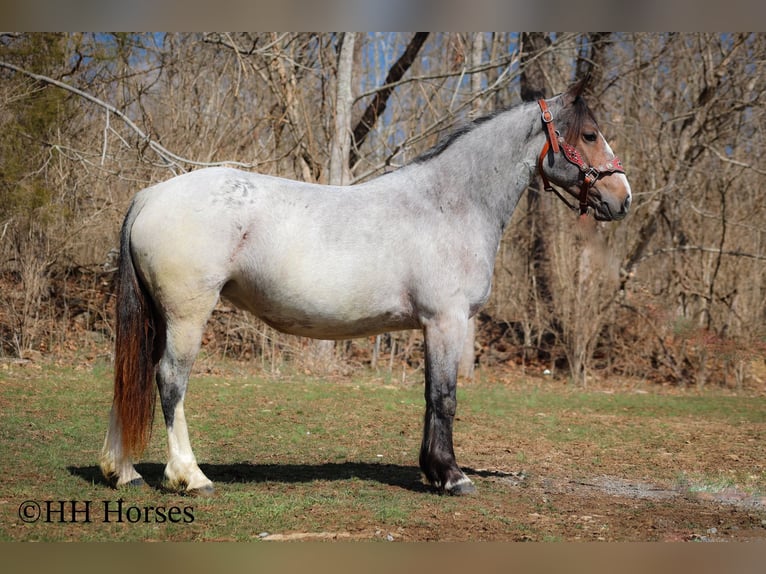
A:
(444, 338)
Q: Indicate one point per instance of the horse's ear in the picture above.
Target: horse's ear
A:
(577, 89)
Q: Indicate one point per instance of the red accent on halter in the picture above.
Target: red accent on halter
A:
(590, 174)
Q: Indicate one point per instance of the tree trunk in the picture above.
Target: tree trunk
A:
(341, 143)
(468, 355)
(533, 84)
(378, 104)
(339, 152)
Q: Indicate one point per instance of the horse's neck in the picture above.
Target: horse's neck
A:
(489, 167)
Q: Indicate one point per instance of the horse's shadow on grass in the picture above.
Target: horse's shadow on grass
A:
(406, 477)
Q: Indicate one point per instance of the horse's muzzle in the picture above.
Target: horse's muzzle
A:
(607, 208)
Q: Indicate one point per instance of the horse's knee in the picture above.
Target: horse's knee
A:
(446, 406)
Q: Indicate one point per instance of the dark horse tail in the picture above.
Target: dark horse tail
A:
(136, 350)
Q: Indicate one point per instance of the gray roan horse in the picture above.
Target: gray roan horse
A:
(411, 249)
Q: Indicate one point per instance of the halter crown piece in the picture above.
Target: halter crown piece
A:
(590, 174)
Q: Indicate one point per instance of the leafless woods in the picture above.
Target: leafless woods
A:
(675, 293)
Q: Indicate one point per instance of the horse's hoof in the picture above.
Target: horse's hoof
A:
(135, 483)
(203, 492)
(111, 479)
(462, 487)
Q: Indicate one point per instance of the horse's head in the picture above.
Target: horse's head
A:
(577, 158)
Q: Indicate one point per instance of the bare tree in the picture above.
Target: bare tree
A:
(468, 356)
(380, 98)
(344, 99)
(339, 152)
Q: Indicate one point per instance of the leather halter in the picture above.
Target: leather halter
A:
(590, 174)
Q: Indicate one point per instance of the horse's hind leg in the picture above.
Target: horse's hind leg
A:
(117, 467)
(444, 341)
(181, 348)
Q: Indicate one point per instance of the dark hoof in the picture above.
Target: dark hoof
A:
(135, 483)
(111, 480)
(204, 492)
(462, 487)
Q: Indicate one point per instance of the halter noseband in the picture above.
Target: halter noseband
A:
(590, 174)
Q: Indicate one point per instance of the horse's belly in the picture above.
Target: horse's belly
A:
(334, 328)
(323, 313)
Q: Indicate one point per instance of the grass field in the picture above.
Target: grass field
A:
(297, 457)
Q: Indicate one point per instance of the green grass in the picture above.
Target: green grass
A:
(624, 422)
(299, 454)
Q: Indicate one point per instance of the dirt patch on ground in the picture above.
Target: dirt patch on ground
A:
(613, 508)
(545, 509)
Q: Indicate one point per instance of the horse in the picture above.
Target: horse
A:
(410, 249)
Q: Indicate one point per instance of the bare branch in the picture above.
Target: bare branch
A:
(227, 41)
(734, 161)
(171, 159)
(703, 249)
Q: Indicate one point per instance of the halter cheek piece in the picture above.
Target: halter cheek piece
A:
(590, 174)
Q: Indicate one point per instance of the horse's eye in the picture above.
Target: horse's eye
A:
(589, 136)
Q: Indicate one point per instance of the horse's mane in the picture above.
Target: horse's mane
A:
(577, 114)
(455, 135)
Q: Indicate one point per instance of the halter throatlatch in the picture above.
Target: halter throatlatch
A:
(590, 174)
